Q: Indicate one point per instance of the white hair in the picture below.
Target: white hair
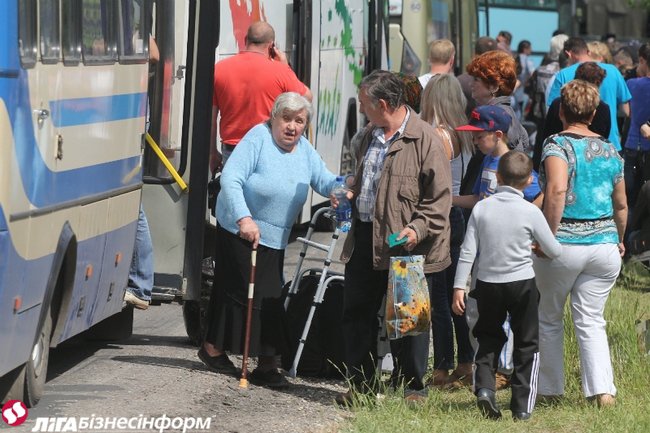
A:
(292, 102)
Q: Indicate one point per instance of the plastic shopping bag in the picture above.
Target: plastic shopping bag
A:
(408, 309)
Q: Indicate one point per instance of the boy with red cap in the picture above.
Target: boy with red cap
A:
(489, 126)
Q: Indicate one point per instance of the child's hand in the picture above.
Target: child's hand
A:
(538, 251)
(458, 303)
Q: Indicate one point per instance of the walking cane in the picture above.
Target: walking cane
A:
(243, 382)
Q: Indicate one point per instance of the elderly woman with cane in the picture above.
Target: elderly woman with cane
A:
(586, 209)
(263, 188)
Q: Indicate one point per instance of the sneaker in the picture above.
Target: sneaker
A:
(219, 364)
(502, 381)
(269, 378)
(521, 416)
(135, 302)
(487, 403)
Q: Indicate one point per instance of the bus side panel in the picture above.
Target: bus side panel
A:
(118, 250)
(90, 302)
(113, 280)
(18, 320)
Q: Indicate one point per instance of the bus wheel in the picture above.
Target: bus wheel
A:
(36, 368)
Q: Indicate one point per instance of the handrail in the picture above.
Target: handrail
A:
(179, 180)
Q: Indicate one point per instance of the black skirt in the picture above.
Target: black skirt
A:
(226, 322)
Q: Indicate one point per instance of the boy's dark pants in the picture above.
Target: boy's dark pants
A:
(494, 301)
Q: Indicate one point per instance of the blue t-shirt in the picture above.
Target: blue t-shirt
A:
(613, 92)
(486, 185)
(595, 168)
(640, 113)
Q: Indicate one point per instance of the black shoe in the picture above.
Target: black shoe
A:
(218, 364)
(269, 378)
(521, 416)
(486, 401)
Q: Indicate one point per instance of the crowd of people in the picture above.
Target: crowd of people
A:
(444, 161)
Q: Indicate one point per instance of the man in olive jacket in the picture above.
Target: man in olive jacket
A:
(402, 184)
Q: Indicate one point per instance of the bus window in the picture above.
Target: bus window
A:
(71, 31)
(133, 38)
(49, 22)
(98, 19)
(27, 32)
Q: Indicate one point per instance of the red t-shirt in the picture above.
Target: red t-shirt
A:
(245, 87)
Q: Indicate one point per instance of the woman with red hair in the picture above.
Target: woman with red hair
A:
(495, 78)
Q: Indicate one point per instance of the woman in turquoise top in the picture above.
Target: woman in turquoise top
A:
(263, 188)
(585, 206)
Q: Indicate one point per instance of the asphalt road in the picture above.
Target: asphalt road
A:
(156, 373)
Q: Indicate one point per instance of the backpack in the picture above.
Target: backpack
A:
(536, 90)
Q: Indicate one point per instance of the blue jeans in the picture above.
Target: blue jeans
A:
(141, 270)
(443, 322)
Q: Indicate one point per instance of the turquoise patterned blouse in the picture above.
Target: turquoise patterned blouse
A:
(595, 167)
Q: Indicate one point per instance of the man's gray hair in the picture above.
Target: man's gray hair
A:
(291, 102)
(384, 85)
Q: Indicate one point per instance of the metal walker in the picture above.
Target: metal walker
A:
(326, 276)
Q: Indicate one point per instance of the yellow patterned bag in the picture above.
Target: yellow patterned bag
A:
(408, 309)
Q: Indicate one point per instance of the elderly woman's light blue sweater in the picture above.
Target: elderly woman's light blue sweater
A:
(270, 185)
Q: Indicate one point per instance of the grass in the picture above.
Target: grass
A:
(445, 411)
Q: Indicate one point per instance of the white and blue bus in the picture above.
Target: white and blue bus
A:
(73, 101)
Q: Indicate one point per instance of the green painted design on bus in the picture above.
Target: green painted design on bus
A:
(330, 106)
(346, 41)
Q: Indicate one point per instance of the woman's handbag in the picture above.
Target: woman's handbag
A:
(408, 308)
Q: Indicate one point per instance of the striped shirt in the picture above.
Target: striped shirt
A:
(373, 163)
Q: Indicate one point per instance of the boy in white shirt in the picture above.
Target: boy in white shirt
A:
(503, 228)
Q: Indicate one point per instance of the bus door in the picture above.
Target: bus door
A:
(180, 101)
(163, 200)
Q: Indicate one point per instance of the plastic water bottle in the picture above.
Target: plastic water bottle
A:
(344, 209)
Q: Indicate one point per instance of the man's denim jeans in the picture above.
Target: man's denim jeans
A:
(141, 271)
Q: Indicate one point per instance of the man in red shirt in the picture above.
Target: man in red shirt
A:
(245, 87)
